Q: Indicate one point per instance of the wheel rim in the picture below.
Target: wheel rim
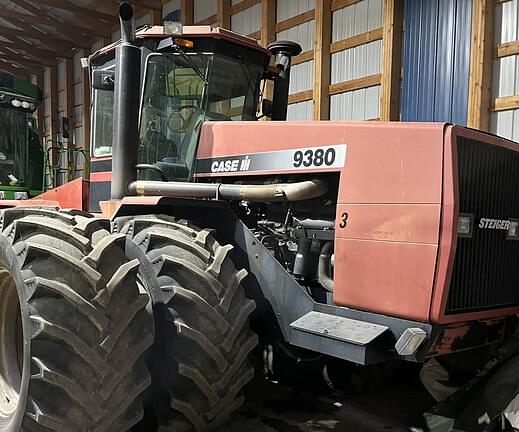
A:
(11, 345)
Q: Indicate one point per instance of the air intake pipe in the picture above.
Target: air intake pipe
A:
(298, 191)
(126, 106)
(282, 51)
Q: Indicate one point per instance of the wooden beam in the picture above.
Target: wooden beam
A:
(52, 92)
(505, 103)
(223, 14)
(77, 40)
(255, 35)
(507, 49)
(35, 51)
(207, 21)
(481, 60)
(295, 21)
(300, 97)
(339, 4)
(86, 119)
(355, 84)
(391, 60)
(45, 20)
(303, 57)
(15, 68)
(268, 35)
(243, 5)
(357, 40)
(81, 12)
(21, 59)
(188, 12)
(35, 35)
(152, 5)
(268, 21)
(322, 59)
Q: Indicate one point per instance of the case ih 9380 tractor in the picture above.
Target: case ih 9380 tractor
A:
(367, 242)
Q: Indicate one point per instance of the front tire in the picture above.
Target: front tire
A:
(73, 325)
(204, 340)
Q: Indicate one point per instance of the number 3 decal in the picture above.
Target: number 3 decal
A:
(344, 220)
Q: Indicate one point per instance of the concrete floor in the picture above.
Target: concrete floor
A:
(390, 407)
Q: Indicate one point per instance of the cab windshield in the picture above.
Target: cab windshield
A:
(179, 95)
(13, 147)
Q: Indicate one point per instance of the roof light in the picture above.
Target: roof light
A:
(174, 28)
(16, 103)
(184, 43)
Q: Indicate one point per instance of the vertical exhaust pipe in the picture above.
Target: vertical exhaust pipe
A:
(282, 51)
(125, 142)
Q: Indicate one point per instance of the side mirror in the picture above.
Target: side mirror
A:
(103, 80)
(266, 107)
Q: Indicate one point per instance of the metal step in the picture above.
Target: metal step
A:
(338, 328)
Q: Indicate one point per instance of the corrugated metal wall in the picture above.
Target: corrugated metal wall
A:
(436, 60)
(505, 75)
(356, 62)
(247, 21)
(302, 75)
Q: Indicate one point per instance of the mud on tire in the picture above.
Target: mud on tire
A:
(203, 338)
(73, 325)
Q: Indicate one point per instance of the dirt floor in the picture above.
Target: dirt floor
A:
(391, 406)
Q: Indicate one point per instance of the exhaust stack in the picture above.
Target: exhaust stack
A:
(282, 51)
(125, 142)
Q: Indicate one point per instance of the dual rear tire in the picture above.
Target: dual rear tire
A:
(77, 327)
(74, 325)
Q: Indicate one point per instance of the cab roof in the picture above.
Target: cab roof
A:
(158, 32)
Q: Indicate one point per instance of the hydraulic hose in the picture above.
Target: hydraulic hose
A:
(323, 270)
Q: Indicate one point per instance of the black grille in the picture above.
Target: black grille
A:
(486, 266)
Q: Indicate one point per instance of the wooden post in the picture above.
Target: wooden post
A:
(85, 87)
(322, 59)
(391, 60)
(268, 34)
(223, 14)
(481, 60)
(53, 104)
(187, 11)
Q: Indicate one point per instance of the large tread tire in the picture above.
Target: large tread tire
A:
(86, 323)
(203, 336)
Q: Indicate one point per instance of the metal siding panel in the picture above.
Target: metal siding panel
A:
(289, 8)
(300, 111)
(509, 21)
(302, 77)
(436, 60)
(462, 44)
(203, 9)
(303, 34)
(372, 103)
(247, 21)
(375, 14)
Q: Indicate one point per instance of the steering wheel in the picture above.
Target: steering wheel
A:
(177, 121)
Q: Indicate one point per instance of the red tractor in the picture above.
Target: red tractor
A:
(366, 242)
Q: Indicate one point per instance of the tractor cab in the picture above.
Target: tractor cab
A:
(187, 83)
(188, 75)
(21, 153)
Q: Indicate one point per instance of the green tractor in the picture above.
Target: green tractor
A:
(21, 151)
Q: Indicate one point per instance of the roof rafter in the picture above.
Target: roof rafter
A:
(34, 50)
(54, 42)
(24, 59)
(16, 68)
(78, 10)
(40, 16)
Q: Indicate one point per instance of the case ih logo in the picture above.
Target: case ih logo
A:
(498, 224)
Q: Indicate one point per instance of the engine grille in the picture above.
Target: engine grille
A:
(486, 267)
